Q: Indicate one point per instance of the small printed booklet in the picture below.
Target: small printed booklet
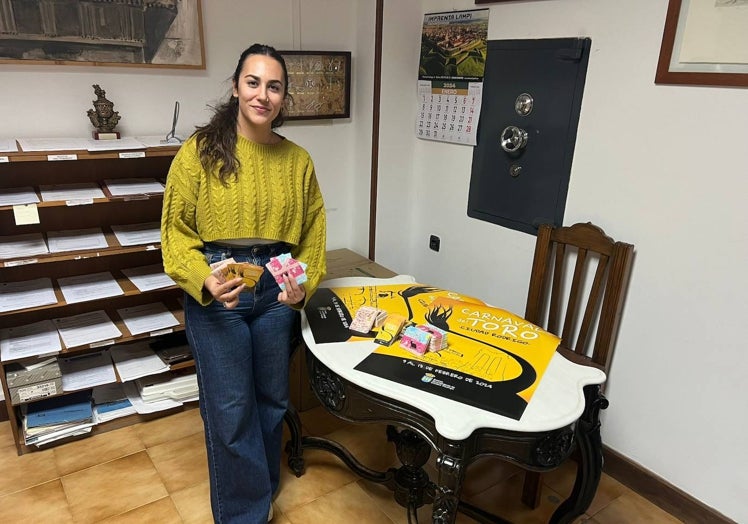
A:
(390, 330)
(229, 269)
(285, 264)
(367, 318)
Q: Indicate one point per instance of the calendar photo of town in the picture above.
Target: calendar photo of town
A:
(450, 75)
(453, 45)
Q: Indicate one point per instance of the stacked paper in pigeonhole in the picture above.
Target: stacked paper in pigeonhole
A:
(110, 402)
(167, 386)
(57, 417)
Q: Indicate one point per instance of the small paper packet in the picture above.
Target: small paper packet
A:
(415, 340)
(230, 269)
(217, 269)
(438, 337)
(249, 273)
(285, 264)
(366, 318)
(390, 330)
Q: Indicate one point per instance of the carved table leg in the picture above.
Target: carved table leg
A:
(293, 446)
(412, 485)
(451, 474)
(590, 464)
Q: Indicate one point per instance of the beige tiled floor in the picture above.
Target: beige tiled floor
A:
(155, 472)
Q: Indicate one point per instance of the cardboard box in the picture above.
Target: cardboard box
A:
(340, 263)
(26, 385)
(346, 263)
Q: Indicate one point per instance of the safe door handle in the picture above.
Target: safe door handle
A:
(513, 139)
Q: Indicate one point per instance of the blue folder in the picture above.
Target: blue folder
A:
(75, 407)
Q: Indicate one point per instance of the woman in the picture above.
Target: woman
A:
(236, 189)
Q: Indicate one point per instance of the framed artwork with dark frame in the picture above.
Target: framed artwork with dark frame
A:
(319, 83)
(136, 33)
(705, 43)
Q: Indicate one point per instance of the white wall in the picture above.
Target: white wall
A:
(51, 101)
(662, 167)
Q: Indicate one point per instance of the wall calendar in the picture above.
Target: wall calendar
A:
(449, 111)
(450, 75)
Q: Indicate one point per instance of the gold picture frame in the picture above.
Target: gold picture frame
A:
(713, 62)
(166, 34)
(319, 83)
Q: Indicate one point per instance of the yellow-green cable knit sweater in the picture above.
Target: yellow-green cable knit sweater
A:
(275, 196)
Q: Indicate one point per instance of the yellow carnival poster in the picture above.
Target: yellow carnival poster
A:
(494, 359)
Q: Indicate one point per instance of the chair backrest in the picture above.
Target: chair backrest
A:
(577, 288)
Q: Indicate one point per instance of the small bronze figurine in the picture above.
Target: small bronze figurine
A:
(103, 117)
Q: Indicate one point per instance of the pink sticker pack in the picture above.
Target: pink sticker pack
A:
(285, 264)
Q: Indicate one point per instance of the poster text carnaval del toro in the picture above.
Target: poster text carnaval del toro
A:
(494, 359)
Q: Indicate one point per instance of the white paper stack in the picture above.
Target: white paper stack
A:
(133, 186)
(137, 360)
(14, 196)
(83, 191)
(133, 395)
(146, 278)
(16, 246)
(137, 234)
(76, 240)
(26, 294)
(179, 388)
(147, 318)
(111, 402)
(86, 371)
(80, 288)
(29, 340)
(86, 328)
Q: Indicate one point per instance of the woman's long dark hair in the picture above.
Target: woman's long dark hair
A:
(216, 140)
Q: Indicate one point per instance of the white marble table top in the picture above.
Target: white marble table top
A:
(557, 402)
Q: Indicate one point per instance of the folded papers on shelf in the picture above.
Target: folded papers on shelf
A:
(75, 407)
(166, 386)
(111, 402)
(57, 417)
(137, 360)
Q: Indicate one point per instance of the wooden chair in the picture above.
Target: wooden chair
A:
(577, 288)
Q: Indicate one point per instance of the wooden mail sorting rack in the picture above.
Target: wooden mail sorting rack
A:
(39, 169)
(46, 168)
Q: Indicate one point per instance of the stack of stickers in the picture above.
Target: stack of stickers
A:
(438, 339)
(367, 318)
(229, 269)
(417, 339)
(285, 264)
(420, 339)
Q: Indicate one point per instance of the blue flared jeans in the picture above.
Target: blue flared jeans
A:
(242, 358)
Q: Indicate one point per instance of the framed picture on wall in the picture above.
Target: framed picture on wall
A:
(167, 33)
(704, 42)
(319, 83)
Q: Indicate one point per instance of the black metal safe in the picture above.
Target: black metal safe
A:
(532, 95)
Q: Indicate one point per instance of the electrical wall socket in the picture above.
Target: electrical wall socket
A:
(434, 242)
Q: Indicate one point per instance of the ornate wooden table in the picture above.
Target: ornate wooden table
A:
(562, 414)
